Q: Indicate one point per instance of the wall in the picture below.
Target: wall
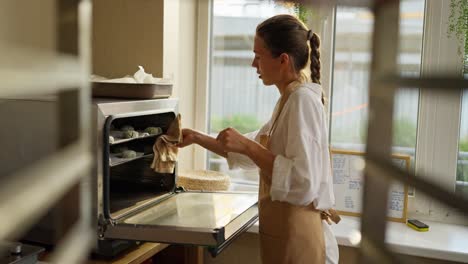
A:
(246, 250)
(160, 35)
(127, 34)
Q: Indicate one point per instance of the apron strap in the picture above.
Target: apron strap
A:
(284, 98)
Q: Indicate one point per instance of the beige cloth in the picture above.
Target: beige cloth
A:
(165, 149)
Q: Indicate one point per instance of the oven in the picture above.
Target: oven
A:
(133, 203)
(137, 204)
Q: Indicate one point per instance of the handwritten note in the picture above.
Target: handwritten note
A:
(396, 201)
(348, 183)
(349, 202)
(339, 169)
(355, 185)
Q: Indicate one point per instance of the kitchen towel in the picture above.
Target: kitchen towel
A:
(165, 148)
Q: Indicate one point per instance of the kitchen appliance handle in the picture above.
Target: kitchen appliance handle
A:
(214, 251)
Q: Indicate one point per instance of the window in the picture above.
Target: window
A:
(237, 97)
(351, 76)
(240, 100)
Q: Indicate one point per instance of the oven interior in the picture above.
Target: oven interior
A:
(130, 183)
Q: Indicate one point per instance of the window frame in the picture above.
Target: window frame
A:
(439, 116)
(204, 26)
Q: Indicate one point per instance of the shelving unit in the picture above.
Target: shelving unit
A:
(63, 176)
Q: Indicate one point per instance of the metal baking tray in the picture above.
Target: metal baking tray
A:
(131, 90)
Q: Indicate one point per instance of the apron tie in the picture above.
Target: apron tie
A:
(330, 216)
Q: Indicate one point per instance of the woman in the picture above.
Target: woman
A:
(291, 150)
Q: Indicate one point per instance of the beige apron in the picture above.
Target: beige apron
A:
(288, 233)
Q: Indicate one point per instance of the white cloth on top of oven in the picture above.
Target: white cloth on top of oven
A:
(165, 148)
(139, 76)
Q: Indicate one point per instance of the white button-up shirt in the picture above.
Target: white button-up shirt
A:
(301, 169)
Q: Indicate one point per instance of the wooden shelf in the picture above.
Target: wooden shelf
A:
(138, 255)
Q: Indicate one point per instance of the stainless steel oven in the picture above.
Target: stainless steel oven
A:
(132, 202)
(135, 203)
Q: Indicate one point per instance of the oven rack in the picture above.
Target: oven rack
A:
(115, 160)
(123, 140)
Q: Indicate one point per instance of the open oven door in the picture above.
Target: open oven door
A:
(212, 219)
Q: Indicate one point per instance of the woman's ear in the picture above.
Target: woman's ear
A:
(286, 61)
(284, 58)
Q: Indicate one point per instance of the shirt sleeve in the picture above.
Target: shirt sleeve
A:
(236, 160)
(296, 176)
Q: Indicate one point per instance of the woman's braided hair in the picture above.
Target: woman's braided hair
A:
(287, 34)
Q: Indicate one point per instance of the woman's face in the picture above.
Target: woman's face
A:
(267, 67)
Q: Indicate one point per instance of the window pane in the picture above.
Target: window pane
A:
(462, 168)
(238, 98)
(462, 164)
(351, 76)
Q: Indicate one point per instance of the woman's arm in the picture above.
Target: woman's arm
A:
(195, 137)
(230, 140)
(261, 156)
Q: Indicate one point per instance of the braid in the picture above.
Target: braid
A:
(315, 58)
(315, 63)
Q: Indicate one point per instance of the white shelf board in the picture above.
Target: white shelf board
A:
(28, 71)
(29, 192)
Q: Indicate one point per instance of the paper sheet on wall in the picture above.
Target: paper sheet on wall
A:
(348, 182)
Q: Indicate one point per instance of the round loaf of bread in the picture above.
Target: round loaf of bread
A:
(130, 134)
(128, 154)
(203, 180)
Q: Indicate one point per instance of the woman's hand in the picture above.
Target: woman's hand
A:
(233, 141)
(189, 137)
(230, 140)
